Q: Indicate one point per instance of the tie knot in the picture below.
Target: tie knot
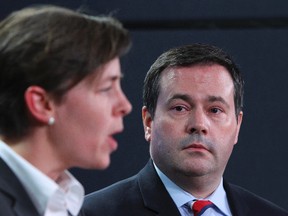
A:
(199, 206)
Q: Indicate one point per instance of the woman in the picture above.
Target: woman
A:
(61, 103)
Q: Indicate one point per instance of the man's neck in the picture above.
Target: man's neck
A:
(198, 186)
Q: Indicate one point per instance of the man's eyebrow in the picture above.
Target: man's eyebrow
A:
(183, 97)
(218, 99)
(188, 98)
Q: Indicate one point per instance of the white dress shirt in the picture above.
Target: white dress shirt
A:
(182, 197)
(49, 197)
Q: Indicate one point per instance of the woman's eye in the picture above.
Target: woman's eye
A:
(106, 89)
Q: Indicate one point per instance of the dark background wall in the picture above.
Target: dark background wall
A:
(255, 33)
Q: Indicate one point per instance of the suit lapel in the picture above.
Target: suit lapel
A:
(14, 191)
(237, 203)
(157, 199)
(155, 196)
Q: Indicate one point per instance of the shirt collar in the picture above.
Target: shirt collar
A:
(69, 195)
(42, 189)
(181, 197)
(219, 198)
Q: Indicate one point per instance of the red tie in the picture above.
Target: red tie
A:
(199, 206)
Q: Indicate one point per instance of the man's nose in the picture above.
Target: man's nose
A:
(198, 122)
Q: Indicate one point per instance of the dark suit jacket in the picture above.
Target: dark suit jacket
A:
(145, 195)
(13, 198)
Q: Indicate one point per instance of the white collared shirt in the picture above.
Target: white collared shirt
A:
(181, 197)
(49, 197)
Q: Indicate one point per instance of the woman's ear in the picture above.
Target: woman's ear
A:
(39, 104)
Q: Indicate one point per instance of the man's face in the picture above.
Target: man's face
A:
(194, 128)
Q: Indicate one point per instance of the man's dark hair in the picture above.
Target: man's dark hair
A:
(185, 56)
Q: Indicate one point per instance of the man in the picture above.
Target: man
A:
(61, 103)
(193, 97)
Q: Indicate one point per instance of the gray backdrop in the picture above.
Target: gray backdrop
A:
(255, 33)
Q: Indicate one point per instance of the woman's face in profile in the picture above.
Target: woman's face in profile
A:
(90, 114)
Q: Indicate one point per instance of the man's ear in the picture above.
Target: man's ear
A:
(38, 104)
(147, 123)
(239, 122)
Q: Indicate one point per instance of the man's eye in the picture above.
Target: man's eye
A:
(179, 108)
(215, 110)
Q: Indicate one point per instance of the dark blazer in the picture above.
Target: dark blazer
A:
(145, 195)
(13, 198)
